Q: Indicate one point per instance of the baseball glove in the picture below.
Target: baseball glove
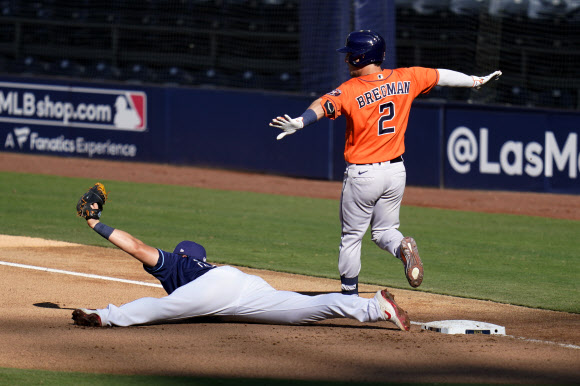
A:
(96, 194)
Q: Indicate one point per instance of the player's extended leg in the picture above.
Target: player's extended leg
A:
(361, 188)
(385, 224)
(284, 307)
(215, 293)
(385, 219)
(262, 303)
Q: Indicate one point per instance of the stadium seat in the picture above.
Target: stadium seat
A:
(101, 11)
(212, 77)
(6, 8)
(433, 22)
(79, 14)
(39, 8)
(249, 15)
(150, 19)
(430, 7)
(281, 81)
(175, 76)
(428, 20)
(546, 27)
(26, 9)
(546, 9)
(557, 97)
(277, 9)
(520, 96)
(44, 13)
(138, 73)
(67, 67)
(201, 14)
(288, 82)
(276, 3)
(103, 71)
(249, 79)
(468, 7)
(508, 8)
(404, 13)
(573, 12)
(30, 65)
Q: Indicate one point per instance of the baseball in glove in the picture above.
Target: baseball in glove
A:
(96, 194)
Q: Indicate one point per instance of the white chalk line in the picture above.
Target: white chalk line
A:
(566, 345)
(45, 269)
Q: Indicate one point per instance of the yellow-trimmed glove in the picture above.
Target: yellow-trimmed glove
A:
(96, 194)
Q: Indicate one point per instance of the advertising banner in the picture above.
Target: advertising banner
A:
(73, 120)
(512, 149)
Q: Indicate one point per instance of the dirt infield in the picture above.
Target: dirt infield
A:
(36, 330)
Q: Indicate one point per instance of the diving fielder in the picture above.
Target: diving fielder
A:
(376, 103)
(198, 288)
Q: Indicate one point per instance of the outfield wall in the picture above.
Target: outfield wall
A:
(451, 145)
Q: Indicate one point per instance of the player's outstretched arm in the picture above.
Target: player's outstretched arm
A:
(126, 242)
(458, 79)
(290, 125)
(90, 207)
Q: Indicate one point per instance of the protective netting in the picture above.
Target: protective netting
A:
(262, 44)
(536, 44)
(235, 43)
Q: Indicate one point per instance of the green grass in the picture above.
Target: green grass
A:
(48, 378)
(530, 261)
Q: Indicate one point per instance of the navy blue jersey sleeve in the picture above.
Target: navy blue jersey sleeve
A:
(174, 270)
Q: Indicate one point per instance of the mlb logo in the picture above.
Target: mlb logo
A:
(335, 92)
(131, 111)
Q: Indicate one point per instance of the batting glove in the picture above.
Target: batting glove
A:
(479, 81)
(287, 125)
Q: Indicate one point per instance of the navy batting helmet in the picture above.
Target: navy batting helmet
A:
(365, 47)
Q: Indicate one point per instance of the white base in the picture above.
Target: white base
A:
(464, 327)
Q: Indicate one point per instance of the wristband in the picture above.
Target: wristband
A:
(308, 117)
(103, 230)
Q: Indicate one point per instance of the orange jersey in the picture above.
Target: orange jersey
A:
(376, 108)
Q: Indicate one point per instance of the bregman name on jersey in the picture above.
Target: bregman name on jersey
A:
(384, 90)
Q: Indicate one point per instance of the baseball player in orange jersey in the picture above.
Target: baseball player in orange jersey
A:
(376, 103)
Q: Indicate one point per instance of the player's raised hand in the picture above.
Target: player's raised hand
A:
(481, 80)
(287, 125)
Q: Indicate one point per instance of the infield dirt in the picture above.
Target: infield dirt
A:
(37, 332)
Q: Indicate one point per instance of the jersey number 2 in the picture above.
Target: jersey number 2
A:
(385, 118)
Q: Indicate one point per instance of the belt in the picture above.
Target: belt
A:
(398, 159)
(393, 161)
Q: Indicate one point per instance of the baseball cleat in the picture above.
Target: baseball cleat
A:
(412, 261)
(85, 317)
(392, 311)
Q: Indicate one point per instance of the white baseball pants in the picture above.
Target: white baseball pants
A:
(227, 291)
(371, 195)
